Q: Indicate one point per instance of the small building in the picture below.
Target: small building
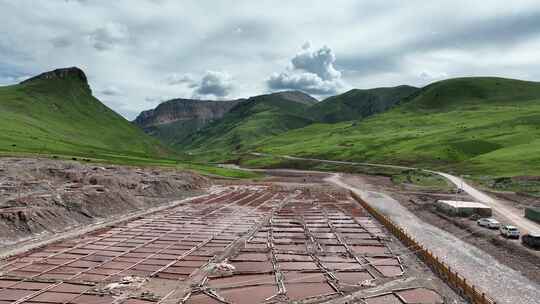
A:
(533, 214)
(460, 208)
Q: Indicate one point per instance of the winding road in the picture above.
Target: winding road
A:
(511, 214)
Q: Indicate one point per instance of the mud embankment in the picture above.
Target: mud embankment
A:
(42, 196)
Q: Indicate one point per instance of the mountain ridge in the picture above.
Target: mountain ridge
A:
(356, 104)
(174, 120)
(473, 125)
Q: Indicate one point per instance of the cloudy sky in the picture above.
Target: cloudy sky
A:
(138, 53)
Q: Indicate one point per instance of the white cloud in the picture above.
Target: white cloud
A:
(302, 81)
(428, 75)
(319, 62)
(309, 71)
(137, 47)
(108, 36)
(214, 83)
(111, 91)
(178, 79)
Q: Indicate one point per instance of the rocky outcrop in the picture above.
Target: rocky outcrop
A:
(202, 111)
(64, 73)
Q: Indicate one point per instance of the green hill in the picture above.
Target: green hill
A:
(247, 123)
(241, 127)
(55, 113)
(479, 126)
(357, 104)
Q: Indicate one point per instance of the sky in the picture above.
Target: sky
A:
(138, 53)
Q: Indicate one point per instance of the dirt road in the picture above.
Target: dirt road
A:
(514, 215)
(501, 282)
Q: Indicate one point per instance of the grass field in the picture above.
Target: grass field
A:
(424, 180)
(475, 126)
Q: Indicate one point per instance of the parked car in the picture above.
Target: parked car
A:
(509, 231)
(531, 240)
(489, 223)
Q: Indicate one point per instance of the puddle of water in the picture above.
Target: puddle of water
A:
(251, 257)
(420, 295)
(383, 261)
(298, 266)
(369, 249)
(252, 267)
(353, 278)
(248, 295)
(298, 291)
(242, 280)
(342, 266)
(385, 299)
(202, 299)
(304, 277)
(293, 257)
(281, 247)
(389, 271)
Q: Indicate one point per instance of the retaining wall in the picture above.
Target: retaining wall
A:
(455, 280)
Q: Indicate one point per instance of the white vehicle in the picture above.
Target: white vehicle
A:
(489, 223)
(509, 231)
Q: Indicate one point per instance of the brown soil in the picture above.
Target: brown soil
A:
(242, 243)
(50, 196)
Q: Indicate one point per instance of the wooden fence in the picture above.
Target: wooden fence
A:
(451, 277)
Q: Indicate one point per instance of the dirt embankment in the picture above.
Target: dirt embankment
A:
(42, 195)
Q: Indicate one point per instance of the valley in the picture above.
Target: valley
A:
(274, 198)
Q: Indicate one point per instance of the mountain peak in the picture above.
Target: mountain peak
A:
(296, 96)
(63, 73)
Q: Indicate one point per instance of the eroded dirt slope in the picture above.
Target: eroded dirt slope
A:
(42, 195)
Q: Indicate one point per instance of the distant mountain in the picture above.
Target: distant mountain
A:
(172, 121)
(475, 125)
(249, 122)
(295, 96)
(357, 104)
(56, 113)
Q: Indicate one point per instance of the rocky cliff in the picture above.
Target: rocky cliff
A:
(184, 109)
(172, 120)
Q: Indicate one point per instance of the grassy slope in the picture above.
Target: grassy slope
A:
(479, 126)
(175, 132)
(244, 126)
(60, 117)
(357, 104)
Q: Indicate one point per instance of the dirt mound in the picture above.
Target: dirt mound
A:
(42, 195)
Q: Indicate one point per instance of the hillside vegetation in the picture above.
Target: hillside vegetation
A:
(54, 114)
(357, 104)
(246, 124)
(478, 126)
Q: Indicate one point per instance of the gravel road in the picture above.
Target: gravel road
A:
(501, 282)
(514, 215)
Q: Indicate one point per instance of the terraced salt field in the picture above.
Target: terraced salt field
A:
(240, 244)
